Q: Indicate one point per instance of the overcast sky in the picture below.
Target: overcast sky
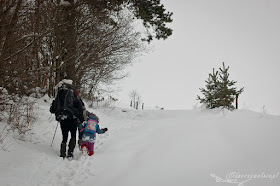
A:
(245, 34)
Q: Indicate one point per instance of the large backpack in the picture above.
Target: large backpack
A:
(64, 103)
(91, 126)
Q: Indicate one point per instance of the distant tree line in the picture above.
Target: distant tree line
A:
(88, 41)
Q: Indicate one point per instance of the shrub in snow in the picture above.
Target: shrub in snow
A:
(4, 100)
(102, 101)
(22, 115)
(18, 114)
(38, 92)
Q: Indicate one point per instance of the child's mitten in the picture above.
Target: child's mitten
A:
(105, 130)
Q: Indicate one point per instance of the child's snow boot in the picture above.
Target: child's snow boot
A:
(84, 150)
(90, 152)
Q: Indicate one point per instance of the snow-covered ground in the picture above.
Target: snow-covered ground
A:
(151, 148)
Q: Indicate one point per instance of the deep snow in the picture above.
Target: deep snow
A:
(151, 148)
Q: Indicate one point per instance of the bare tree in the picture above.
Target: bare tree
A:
(88, 41)
(23, 32)
(105, 51)
(135, 98)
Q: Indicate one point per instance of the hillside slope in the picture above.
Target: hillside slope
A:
(152, 148)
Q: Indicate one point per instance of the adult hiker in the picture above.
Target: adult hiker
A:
(67, 109)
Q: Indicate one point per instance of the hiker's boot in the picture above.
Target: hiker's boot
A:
(80, 144)
(72, 144)
(63, 150)
(70, 155)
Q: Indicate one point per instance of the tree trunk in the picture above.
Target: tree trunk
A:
(70, 40)
(236, 101)
(36, 45)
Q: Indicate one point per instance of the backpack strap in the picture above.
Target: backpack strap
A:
(58, 104)
(85, 126)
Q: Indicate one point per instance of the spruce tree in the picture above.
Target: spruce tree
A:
(219, 91)
(227, 92)
(210, 91)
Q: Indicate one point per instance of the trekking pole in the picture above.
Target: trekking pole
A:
(54, 133)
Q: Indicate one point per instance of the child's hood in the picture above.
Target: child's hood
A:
(94, 118)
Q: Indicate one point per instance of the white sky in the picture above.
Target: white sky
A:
(245, 34)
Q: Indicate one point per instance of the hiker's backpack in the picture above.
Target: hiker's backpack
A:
(91, 126)
(63, 105)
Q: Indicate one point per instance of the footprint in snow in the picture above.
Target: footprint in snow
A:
(71, 172)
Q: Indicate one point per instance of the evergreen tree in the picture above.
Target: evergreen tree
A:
(210, 92)
(227, 92)
(219, 91)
